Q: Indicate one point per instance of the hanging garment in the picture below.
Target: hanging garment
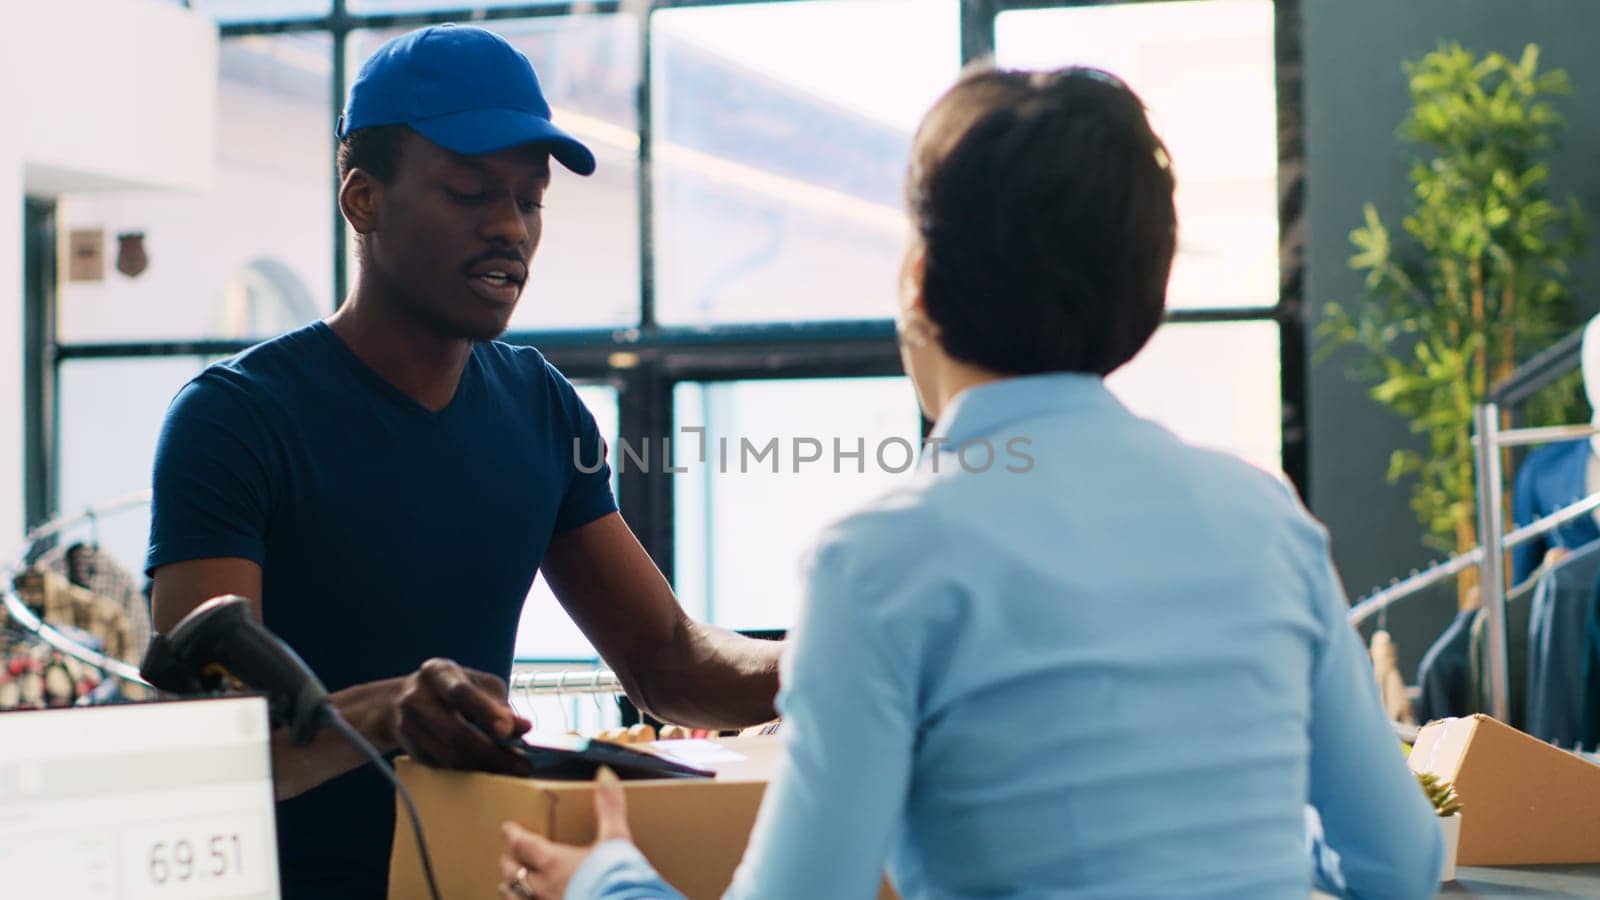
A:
(1589, 684)
(34, 675)
(1556, 646)
(1516, 660)
(1444, 675)
(66, 605)
(1391, 685)
(90, 566)
(21, 673)
(1552, 476)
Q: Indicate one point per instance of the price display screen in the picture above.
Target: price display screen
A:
(138, 802)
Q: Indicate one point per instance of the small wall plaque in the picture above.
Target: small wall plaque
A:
(86, 254)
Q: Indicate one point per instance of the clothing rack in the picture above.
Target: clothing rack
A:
(565, 683)
(537, 694)
(25, 618)
(39, 534)
(1423, 579)
(1488, 442)
(1530, 377)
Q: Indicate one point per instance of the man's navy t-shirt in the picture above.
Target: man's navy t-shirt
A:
(387, 533)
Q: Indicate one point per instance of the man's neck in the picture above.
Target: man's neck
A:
(402, 350)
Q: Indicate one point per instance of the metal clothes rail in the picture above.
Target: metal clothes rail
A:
(19, 613)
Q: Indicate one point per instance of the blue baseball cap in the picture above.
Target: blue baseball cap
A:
(463, 88)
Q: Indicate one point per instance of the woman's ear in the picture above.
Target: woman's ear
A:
(359, 198)
(915, 328)
(913, 270)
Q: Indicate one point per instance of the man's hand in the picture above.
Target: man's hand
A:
(438, 714)
(536, 867)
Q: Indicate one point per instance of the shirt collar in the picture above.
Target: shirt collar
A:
(981, 410)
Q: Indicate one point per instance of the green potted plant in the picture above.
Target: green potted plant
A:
(1477, 280)
(1442, 794)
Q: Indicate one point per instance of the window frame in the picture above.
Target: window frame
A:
(646, 361)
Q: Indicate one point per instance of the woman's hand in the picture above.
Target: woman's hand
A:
(537, 868)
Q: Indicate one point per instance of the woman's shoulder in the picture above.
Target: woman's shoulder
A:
(899, 530)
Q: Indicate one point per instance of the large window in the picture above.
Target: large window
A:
(546, 632)
(727, 275)
(1205, 72)
(781, 136)
(771, 465)
(1214, 384)
(1217, 385)
(111, 412)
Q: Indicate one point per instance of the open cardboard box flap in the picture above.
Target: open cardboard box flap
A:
(1522, 801)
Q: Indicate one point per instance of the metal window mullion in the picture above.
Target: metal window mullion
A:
(341, 19)
(229, 30)
(1288, 76)
(1221, 314)
(644, 406)
(340, 35)
(645, 116)
(977, 29)
(708, 492)
(144, 350)
(41, 367)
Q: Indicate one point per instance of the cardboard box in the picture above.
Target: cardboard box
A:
(693, 831)
(1522, 800)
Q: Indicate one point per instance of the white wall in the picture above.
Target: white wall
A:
(98, 94)
(11, 437)
(114, 93)
(270, 196)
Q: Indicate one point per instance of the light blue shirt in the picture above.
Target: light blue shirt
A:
(1107, 664)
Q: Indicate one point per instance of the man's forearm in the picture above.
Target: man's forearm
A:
(707, 677)
(368, 708)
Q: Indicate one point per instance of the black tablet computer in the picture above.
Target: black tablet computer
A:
(575, 758)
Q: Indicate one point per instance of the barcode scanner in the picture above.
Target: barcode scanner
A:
(221, 646)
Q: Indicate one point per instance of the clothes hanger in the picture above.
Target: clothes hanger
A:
(594, 695)
(564, 702)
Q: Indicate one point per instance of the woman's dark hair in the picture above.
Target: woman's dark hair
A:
(1043, 201)
(374, 150)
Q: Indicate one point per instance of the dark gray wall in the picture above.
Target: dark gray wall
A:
(1355, 96)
